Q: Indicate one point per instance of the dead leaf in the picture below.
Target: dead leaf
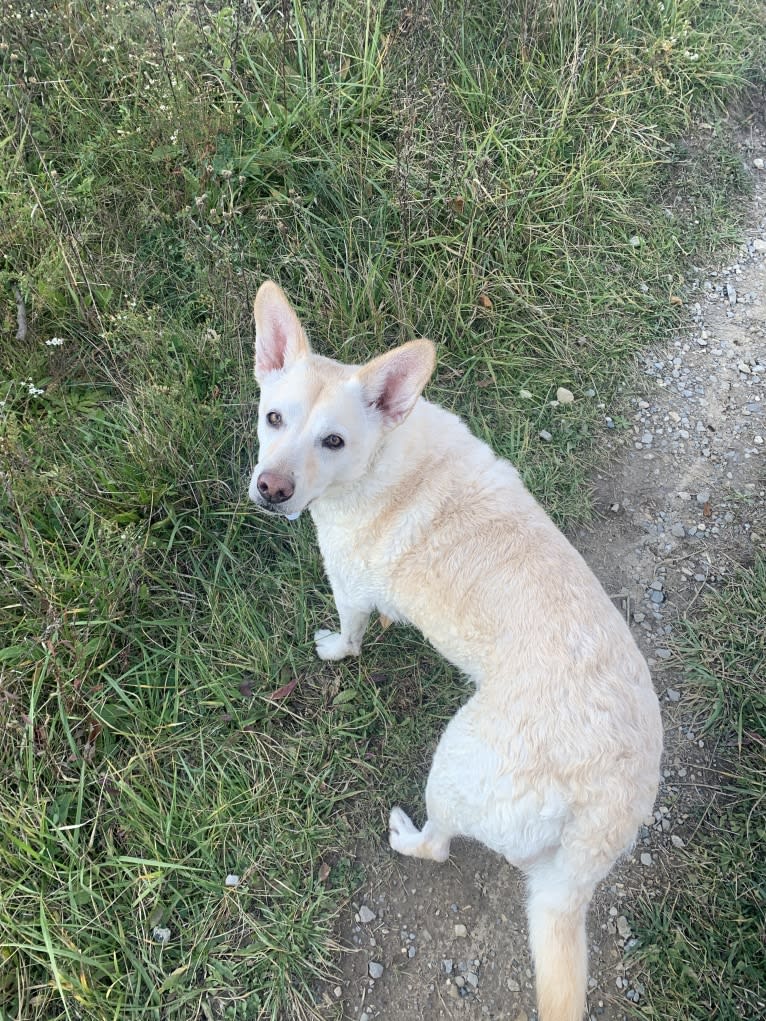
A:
(284, 691)
(485, 301)
(457, 204)
(707, 510)
(675, 300)
(324, 872)
(385, 622)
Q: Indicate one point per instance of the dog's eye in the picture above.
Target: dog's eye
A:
(333, 442)
(274, 419)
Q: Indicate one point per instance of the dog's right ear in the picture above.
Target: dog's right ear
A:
(279, 336)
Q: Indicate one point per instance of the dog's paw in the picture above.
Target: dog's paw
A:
(402, 832)
(332, 645)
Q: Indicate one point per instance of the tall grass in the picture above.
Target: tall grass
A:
(485, 174)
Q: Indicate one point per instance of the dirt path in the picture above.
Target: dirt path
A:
(680, 504)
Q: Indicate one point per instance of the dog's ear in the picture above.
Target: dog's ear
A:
(279, 336)
(392, 382)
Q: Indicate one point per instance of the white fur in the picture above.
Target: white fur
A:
(554, 760)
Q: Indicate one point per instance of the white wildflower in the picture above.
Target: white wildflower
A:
(55, 342)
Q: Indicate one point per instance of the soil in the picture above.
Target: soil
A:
(681, 503)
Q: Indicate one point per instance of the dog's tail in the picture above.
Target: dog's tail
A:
(556, 909)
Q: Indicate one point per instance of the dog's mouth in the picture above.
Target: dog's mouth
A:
(277, 510)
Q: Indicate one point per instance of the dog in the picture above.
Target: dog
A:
(554, 760)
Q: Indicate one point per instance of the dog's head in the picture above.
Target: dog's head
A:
(320, 422)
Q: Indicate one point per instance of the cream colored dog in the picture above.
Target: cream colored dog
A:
(554, 761)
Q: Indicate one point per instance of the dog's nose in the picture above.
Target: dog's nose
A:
(275, 488)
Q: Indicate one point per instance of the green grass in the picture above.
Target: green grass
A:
(504, 178)
(703, 946)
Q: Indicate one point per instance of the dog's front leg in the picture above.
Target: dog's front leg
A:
(353, 622)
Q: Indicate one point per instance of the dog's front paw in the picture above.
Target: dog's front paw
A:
(332, 645)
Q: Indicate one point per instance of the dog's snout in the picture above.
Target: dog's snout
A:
(274, 487)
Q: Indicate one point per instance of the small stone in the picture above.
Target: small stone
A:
(731, 294)
(703, 496)
(677, 841)
(447, 966)
(411, 951)
(646, 859)
(231, 880)
(664, 653)
(459, 981)
(564, 396)
(525, 394)
(513, 985)
(657, 598)
(638, 616)
(673, 695)
(375, 969)
(744, 367)
(460, 930)
(365, 915)
(623, 928)
(759, 245)
(758, 163)
(472, 978)
(545, 435)
(647, 438)
(656, 585)
(161, 934)
(678, 530)
(364, 1016)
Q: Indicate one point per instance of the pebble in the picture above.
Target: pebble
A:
(231, 880)
(677, 841)
(731, 294)
(161, 934)
(365, 915)
(447, 966)
(460, 930)
(673, 695)
(678, 531)
(545, 435)
(375, 969)
(646, 859)
(564, 396)
(513, 985)
(758, 163)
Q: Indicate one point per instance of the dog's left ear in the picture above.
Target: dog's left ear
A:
(279, 336)
(392, 382)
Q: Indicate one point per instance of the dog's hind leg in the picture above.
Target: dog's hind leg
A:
(406, 838)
